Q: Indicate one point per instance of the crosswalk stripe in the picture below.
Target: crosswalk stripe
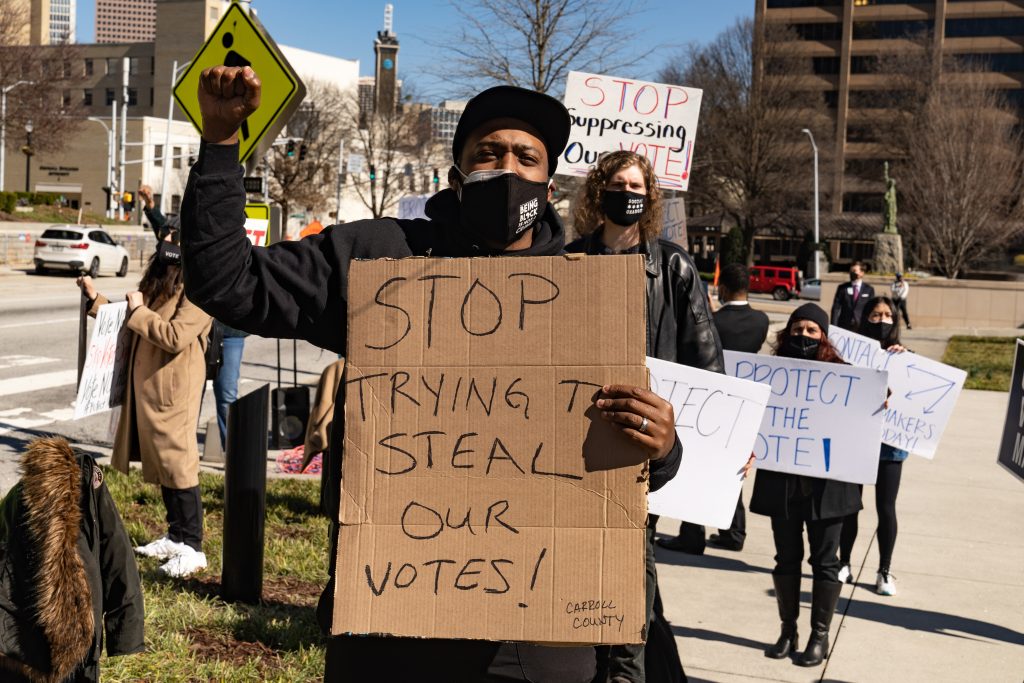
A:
(11, 326)
(18, 361)
(45, 380)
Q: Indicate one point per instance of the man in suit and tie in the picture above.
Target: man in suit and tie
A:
(741, 328)
(848, 304)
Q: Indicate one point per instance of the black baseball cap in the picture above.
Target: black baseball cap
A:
(543, 112)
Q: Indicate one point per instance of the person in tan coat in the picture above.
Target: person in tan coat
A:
(160, 411)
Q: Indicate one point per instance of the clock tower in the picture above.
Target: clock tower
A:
(385, 76)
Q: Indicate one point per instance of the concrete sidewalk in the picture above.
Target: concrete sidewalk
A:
(959, 561)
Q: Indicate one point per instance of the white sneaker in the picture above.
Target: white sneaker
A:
(162, 548)
(184, 564)
(885, 584)
(845, 574)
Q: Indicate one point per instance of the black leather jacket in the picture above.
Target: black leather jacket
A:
(679, 324)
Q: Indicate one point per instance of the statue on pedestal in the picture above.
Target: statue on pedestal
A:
(888, 244)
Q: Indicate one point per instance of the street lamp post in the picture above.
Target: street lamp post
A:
(175, 69)
(3, 126)
(817, 238)
(110, 162)
(28, 157)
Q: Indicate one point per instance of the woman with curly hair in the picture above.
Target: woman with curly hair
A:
(619, 212)
(794, 501)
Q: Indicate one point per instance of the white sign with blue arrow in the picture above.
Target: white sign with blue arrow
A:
(924, 391)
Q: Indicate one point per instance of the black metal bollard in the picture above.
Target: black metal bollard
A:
(245, 505)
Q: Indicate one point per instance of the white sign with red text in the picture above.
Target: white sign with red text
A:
(655, 120)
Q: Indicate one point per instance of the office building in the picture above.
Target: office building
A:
(844, 38)
(125, 21)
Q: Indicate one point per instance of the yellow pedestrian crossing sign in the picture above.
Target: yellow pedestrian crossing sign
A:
(240, 40)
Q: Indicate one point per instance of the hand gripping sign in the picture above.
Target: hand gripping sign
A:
(717, 419)
(924, 392)
(655, 120)
(823, 419)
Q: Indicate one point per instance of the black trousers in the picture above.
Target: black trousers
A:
(693, 534)
(627, 661)
(184, 516)
(901, 304)
(887, 487)
(823, 539)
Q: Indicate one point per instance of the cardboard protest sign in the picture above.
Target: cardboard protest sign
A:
(105, 372)
(924, 391)
(1011, 448)
(674, 222)
(822, 420)
(717, 419)
(655, 120)
(483, 496)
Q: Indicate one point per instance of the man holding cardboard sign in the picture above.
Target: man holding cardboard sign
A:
(489, 388)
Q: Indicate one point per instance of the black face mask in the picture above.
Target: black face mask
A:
(623, 207)
(498, 206)
(853, 277)
(799, 346)
(168, 253)
(878, 331)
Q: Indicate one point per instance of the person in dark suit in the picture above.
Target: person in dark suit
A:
(741, 328)
(848, 303)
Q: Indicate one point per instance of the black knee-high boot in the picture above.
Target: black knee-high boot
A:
(824, 596)
(787, 595)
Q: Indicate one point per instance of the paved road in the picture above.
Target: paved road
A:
(38, 364)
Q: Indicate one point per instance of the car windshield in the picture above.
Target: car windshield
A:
(61, 234)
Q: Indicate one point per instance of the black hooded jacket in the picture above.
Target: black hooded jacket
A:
(299, 290)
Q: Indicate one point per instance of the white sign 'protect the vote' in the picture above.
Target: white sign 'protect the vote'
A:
(717, 419)
(655, 120)
(924, 391)
(823, 419)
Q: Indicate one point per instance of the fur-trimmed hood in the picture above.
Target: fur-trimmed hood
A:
(56, 596)
(50, 510)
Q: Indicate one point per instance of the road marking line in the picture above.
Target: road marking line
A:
(46, 380)
(38, 322)
(22, 361)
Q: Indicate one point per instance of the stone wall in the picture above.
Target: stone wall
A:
(939, 302)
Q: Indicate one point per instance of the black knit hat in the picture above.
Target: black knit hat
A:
(811, 312)
(543, 112)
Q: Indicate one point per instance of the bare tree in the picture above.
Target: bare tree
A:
(535, 43)
(959, 158)
(51, 75)
(392, 145)
(307, 177)
(749, 162)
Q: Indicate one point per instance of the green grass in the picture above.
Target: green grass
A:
(987, 360)
(57, 214)
(193, 635)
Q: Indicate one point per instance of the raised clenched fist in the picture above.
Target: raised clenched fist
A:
(227, 96)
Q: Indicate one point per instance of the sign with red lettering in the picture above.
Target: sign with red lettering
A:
(655, 120)
(257, 223)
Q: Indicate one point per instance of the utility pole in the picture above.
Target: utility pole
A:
(124, 133)
(337, 193)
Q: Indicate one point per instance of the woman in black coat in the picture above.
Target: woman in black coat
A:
(794, 501)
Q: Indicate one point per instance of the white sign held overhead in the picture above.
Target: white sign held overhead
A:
(105, 372)
(673, 227)
(717, 418)
(655, 120)
(924, 391)
(822, 420)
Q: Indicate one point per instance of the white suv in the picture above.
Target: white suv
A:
(77, 247)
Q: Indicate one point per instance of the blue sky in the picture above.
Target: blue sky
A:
(346, 28)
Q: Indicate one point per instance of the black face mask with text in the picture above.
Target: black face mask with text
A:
(498, 206)
(799, 346)
(878, 331)
(168, 253)
(622, 207)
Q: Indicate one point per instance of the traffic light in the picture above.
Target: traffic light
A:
(191, 160)
(289, 149)
(436, 180)
(302, 152)
(373, 172)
